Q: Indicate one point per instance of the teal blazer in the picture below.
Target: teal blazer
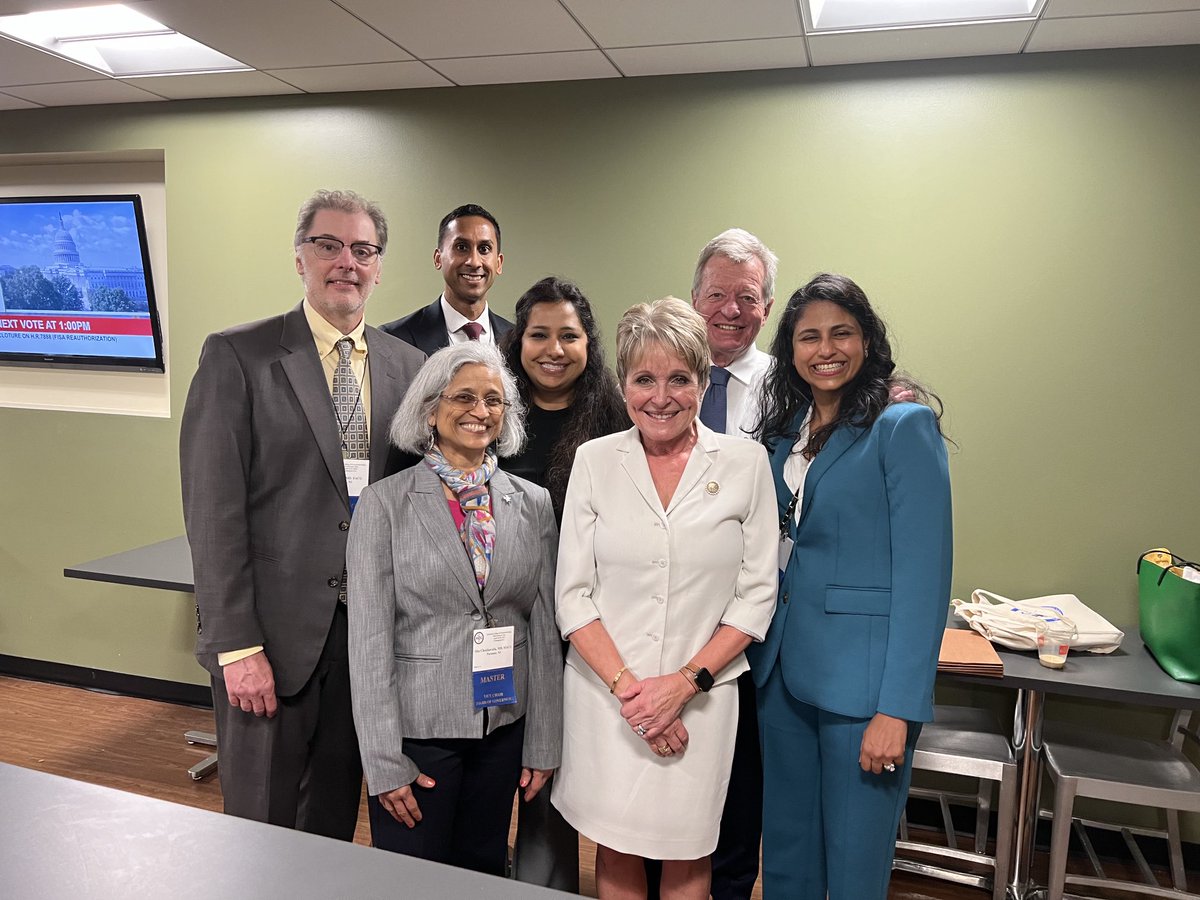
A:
(863, 600)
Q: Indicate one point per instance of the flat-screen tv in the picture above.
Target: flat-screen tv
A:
(75, 284)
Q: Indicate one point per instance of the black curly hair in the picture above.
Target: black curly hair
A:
(785, 393)
(597, 408)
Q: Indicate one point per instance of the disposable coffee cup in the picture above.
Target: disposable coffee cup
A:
(1054, 641)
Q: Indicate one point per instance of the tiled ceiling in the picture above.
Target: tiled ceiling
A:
(317, 46)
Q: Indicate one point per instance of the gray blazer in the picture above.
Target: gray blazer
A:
(264, 489)
(414, 604)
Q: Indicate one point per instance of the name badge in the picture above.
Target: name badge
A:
(785, 552)
(357, 473)
(492, 666)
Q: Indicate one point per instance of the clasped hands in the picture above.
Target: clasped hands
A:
(652, 707)
(402, 803)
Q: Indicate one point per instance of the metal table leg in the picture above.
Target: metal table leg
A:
(1027, 744)
(209, 763)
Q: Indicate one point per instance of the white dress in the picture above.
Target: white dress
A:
(661, 582)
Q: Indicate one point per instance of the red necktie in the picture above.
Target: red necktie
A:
(472, 330)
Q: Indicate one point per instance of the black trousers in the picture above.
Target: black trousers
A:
(300, 769)
(466, 814)
(735, 861)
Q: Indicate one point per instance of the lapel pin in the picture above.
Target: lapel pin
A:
(507, 498)
(712, 487)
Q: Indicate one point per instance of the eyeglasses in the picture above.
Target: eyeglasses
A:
(465, 400)
(331, 248)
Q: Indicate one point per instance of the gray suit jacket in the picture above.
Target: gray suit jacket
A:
(414, 604)
(264, 489)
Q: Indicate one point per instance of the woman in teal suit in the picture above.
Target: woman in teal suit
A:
(845, 675)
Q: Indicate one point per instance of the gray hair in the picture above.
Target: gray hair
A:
(342, 201)
(669, 323)
(410, 429)
(740, 246)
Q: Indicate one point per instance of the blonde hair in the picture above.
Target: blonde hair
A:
(669, 323)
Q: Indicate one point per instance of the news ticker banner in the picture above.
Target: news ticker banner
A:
(76, 334)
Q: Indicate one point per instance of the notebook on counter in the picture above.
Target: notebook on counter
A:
(964, 652)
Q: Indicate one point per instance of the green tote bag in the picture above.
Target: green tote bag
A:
(1169, 613)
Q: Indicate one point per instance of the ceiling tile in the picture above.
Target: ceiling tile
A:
(214, 84)
(24, 65)
(81, 93)
(684, 21)
(527, 67)
(1058, 8)
(9, 102)
(369, 77)
(20, 7)
(462, 28)
(925, 42)
(276, 34)
(723, 56)
(1094, 32)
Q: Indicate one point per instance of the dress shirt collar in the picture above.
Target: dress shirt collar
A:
(326, 335)
(746, 366)
(456, 320)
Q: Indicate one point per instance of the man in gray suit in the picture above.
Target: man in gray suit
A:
(285, 422)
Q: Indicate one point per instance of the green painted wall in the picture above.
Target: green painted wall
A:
(1028, 226)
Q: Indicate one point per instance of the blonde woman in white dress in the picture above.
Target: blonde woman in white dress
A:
(667, 571)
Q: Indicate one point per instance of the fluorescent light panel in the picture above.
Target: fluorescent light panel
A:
(118, 41)
(848, 15)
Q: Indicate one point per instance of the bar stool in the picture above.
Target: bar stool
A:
(967, 742)
(1121, 769)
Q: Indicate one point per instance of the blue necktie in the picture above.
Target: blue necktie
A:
(713, 409)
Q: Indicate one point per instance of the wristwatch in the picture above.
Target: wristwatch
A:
(702, 677)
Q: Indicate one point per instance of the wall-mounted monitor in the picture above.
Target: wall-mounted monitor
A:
(75, 284)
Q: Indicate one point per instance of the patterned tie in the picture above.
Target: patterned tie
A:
(352, 424)
(347, 404)
(472, 330)
(712, 410)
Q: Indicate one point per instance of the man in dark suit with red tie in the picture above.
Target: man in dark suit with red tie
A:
(285, 422)
(469, 258)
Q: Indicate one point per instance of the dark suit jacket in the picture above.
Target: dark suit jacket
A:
(264, 490)
(425, 329)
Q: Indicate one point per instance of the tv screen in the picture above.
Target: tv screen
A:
(75, 284)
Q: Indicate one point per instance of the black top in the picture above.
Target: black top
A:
(543, 427)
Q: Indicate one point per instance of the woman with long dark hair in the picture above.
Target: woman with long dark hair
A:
(554, 352)
(845, 675)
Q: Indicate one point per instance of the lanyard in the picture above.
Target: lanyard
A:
(791, 511)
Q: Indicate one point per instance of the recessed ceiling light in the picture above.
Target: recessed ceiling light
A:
(117, 41)
(847, 15)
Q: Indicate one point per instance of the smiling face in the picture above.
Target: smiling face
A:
(554, 348)
(828, 349)
(730, 298)
(662, 397)
(469, 260)
(464, 434)
(338, 288)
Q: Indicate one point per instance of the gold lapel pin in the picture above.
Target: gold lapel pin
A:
(712, 487)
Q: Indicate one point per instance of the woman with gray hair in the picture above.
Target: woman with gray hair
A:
(455, 664)
(666, 573)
